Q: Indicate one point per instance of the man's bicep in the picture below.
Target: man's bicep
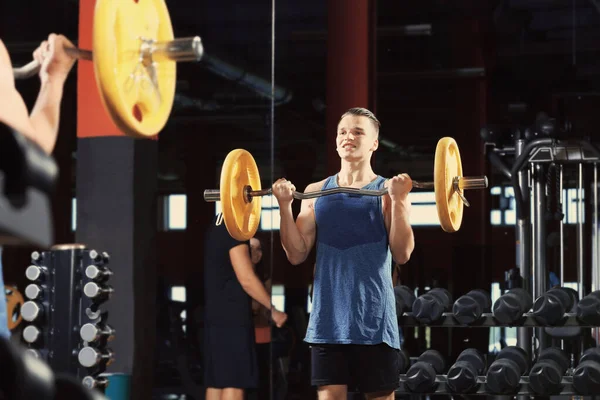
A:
(306, 223)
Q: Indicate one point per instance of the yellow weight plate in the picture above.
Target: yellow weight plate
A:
(14, 301)
(241, 217)
(447, 166)
(138, 98)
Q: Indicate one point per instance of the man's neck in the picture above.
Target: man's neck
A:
(355, 172)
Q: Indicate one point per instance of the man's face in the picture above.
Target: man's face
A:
(356, 138)
(255, 250)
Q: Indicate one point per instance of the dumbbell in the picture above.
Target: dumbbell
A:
(469, 307)
(430, 307)
(586, 377)
(511, 306)
(420, 377)
(550, 307)
(588, 309)
(504, 375)
(405, 297)
(546, 374)
(462, 375)
(24, 376)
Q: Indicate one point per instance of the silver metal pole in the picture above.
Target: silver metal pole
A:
(539, 242)
(561, 225)
(579, 236)
(595, 253)
(523, 248)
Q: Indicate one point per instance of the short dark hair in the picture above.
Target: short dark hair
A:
(363, 112)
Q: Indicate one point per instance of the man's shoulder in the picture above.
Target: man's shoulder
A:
(315, 185)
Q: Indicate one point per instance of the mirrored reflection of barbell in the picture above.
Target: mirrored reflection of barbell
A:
(240, 190)
(134, 56)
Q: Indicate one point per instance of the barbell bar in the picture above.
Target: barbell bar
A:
(134, 55)
(178, 50)
(240, 190)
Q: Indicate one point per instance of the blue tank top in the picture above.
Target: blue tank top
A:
(353, 296)
(4, 332)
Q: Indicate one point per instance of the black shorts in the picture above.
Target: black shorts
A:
(230, 357)
(363, 368)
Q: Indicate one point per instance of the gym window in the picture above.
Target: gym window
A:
(504, 213)
(178, 293)
(73, 214)
(278, 297)
(175, 213)
(423, 209)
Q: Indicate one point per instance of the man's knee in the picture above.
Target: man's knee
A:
(232, 394)
(332, 392)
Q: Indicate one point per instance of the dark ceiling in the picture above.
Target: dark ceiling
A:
(531, 49)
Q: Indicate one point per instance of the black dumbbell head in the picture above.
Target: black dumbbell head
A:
(525, 297)
(435, 358)
(565, 296)
(407, 295)
(483, 297)
(467, 309)
(550, 307)
(24, 376)
(586, 378)
(428, 308)
(588, 309)
(516, 354)
(591, 354)
(473, 357)
(444, 296)
(557, 355)
(462, 377)
(545, 378)
(503, 377)
(420, 378)
(508, 308)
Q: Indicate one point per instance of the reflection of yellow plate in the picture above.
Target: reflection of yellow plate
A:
(241, 217)
(14, 302)
(139, 105)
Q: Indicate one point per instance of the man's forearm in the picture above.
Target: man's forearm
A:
(402, 240)
(291, 238)
(45, 116)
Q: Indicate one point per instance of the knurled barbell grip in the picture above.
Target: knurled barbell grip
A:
(182, 49)
(479, 182)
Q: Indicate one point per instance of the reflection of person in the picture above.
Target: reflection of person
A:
(262, 326)
(353, 330)
(230, 362)
(41, 126)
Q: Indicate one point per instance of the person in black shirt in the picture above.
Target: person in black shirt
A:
(230, 284)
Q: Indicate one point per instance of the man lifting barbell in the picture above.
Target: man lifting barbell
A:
(352, 330)
(364, 223)
(41, 126)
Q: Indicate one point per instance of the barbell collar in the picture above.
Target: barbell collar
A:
(178, 50)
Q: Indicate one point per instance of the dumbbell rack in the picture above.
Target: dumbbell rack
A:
(448, 320)
(523, 389)
(488, 320)
(64, 324)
